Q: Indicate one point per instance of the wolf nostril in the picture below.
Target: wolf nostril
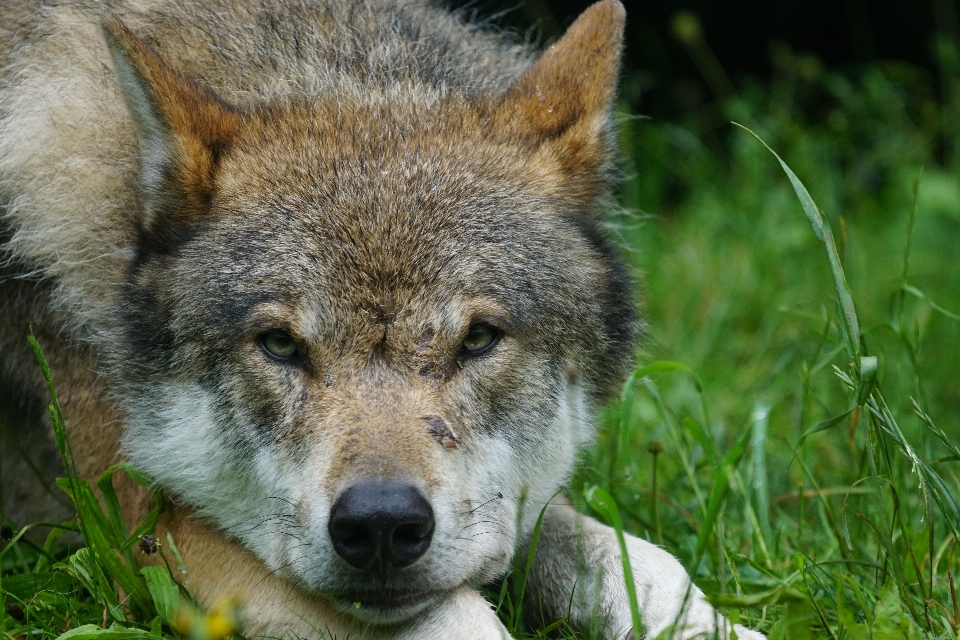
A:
(408, 534)
(381, 524)
(355, 540)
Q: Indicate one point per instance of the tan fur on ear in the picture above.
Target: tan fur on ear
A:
(574, 80)
(181, 129)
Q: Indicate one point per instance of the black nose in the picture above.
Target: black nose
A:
(381, 525)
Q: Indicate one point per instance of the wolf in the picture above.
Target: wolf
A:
(332, 273)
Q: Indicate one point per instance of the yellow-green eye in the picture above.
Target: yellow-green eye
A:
(481, 338)
(278, 343)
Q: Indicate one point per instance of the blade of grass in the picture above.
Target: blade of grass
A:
(908, 245)
(601, 502)
(95, 526)
(752, 517)
(718, 494)
(821, 228)
(919, 294)
(676, 441)
(164, 591)
(521, 583)
(760, 422)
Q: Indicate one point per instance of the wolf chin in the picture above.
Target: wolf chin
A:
(332, 273)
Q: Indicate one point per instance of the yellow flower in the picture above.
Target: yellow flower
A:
(219, 623)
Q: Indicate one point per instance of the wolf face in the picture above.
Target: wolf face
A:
(366, 334)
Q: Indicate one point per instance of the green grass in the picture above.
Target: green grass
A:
(806, 452)
(792, 433)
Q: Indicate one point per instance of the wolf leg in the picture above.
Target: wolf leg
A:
(578, 572)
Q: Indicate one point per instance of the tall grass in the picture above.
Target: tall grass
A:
(794, 440)
(99, 591)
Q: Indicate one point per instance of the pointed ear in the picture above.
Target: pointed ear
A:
(566, 95)
(181, 129)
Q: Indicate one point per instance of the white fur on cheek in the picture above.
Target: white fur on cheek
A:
(554, 458)
(476, 526)
(180, 443)
(498, 476)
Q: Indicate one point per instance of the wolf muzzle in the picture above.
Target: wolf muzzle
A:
(381, 526)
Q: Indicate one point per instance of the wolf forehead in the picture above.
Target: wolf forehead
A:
(395, 198)
(377, 203)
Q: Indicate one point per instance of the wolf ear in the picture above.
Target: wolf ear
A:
(181, 129)
(566, 94)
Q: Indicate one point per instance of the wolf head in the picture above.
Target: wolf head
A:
(366, 333)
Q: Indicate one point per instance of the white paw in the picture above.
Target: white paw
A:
(463, 615)
(748, 634)
(668, 599)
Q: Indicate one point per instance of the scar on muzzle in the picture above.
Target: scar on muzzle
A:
(443, 433)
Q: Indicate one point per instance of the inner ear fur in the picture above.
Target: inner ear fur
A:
(181, 130)
(564, 98)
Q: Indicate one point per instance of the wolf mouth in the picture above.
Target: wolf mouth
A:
(387, 604)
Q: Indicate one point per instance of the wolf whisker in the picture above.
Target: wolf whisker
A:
(293, 503)
(272, 572)
(499, 496)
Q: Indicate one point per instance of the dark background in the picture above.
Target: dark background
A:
(745, 36)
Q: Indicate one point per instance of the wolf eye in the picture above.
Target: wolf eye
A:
(481, 338)
(278, 343)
